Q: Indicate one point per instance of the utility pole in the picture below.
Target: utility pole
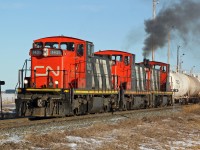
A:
(154, 8)
(1, 83)
(177, 67)
(168, 53)
(191, 71)
(181, 61)
(154, 17)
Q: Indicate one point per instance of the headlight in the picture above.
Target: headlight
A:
(56, 82)
(25, 81)
(45, 52)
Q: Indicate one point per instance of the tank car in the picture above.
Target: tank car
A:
(198, 77)
(187, 87)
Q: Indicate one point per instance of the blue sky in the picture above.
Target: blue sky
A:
(109, 24)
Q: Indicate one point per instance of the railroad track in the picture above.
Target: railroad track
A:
(25, 122)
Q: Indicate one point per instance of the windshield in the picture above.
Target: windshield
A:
(51, 45)
(38, 45)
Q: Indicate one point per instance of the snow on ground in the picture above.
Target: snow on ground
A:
(88, 141)
(76, 142)
(8, 102)
(8, 98)
(12, 138)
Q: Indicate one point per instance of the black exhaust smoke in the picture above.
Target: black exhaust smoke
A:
(184, 17)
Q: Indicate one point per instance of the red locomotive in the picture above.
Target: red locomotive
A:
(67, 78)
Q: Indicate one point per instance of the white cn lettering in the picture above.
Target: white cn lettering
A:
(46, 73)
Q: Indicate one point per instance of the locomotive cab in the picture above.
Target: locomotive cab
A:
(58, 62)
(123, 68)
(157, 74)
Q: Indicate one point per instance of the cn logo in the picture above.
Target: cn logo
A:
(56, 73)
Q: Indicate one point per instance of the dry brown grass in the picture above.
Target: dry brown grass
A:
(41, 140)
(192, 109)
(14, 146)
(195, 147)
(129, 134)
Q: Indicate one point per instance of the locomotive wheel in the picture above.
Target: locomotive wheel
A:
(76, 111)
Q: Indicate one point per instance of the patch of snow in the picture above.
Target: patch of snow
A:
(12, 138)
(57, 127)
(186, 143)
(144, 147)
(166, 120)
(8, 98)
(153, 144)
(83, 140)
(107, 138)
(117, 119)
(73, 146)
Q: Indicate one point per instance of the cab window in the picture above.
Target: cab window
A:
(126, 60)
(38, 45)
(90, 49)
(80, 50)
(51, 45)
(67, 46)
(116, 57)
(157, 67)
(164, 68)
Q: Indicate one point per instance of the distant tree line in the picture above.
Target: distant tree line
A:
(9, 91)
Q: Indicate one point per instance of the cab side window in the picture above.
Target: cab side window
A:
(67, 46)
(80, 50)
(126, 60)
(90, 49)
(116, 58)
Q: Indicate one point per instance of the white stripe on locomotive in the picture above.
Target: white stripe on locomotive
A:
(105, 69)
(98, 73)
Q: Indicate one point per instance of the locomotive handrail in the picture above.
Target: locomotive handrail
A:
(24, 66)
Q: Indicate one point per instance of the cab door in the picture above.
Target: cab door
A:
(80, 65)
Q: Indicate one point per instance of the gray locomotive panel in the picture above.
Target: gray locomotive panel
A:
(155, 80)
(140, 77)
(101, 70)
